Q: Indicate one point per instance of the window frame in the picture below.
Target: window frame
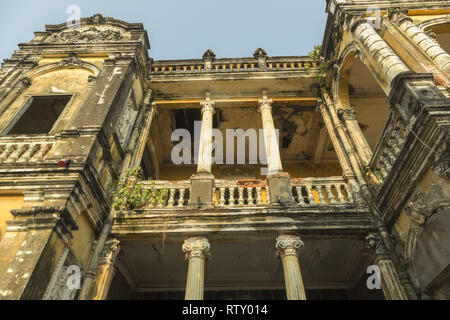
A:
(29, 100)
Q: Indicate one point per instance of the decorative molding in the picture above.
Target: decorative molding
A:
(288, 245)
(433, 22)
(89, 34)
(208, 104)
(57, 288)
(423, 205)
(196, 247)
(259, 53)
(375, 244)
(110, 252)
(441, 165)
(265, 103)
(95, 19)
(71, 60)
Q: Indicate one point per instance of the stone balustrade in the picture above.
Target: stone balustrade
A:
(240, 193)
(321, 191)
(389, 147)
(233, 65)
(178, 192)
(254, 193)
(27, 150)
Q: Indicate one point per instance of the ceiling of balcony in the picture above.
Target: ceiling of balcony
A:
(245, 263)
(299, 124)
(369, 99)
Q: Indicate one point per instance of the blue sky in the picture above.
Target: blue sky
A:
(184, 29)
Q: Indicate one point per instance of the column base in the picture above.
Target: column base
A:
(280, 189)
(202, 190)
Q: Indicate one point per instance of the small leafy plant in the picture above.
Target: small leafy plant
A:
(323, 65)
(128, 193)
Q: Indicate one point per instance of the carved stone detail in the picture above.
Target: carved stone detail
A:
(441, 164)
(265, 103)
(110, 252)
(72, 60)
(95, 19)
(196, 247)
(375, 244)
(58, 288)
(89, 34)
(348, 113)
(423, 205)
(288, 245)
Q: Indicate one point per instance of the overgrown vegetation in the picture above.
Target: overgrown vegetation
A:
(128, 193)
(323, 65)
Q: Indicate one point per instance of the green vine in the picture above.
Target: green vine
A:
(128, 193)
(323, 65)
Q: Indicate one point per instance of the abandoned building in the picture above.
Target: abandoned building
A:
(92, 205)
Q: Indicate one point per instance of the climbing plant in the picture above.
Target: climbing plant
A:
(128, 193)
(323, 65)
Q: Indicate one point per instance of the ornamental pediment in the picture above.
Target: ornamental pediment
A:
(90, 34)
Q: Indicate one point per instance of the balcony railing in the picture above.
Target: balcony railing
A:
(240, 193)
(232, 65)
(255, 193)
(178, 192)
(29, 149)
(389, 147)
(321, 191)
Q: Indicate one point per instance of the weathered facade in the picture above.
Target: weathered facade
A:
(360, 177)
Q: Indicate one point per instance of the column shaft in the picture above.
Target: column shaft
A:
(195, 279)
(391, 285)
(428, 45)
(337, 125)
(144, 133)
(390, 281)
(270, 136)
(287, 248)
(353, 128)
(205, 147)
(374, 46)
(293, 278)
(197, 251)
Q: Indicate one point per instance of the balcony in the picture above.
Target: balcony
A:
(307, 193)
(16, 150)
(227, 65)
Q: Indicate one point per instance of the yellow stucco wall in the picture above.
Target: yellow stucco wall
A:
(83, 239)
(401, 225)
(8, 202)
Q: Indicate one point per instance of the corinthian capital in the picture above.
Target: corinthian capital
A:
(288, 245)
(207, 104)
(196, 247)
(349, 113)
(265, 103)
(375, 244)
(398, 16)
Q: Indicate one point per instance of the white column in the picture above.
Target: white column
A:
(197, 250)
(270, 136)
(205, 147)
(385, 58)
(353, 128)
(390, 281)
(423, 41)
(287, 248)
